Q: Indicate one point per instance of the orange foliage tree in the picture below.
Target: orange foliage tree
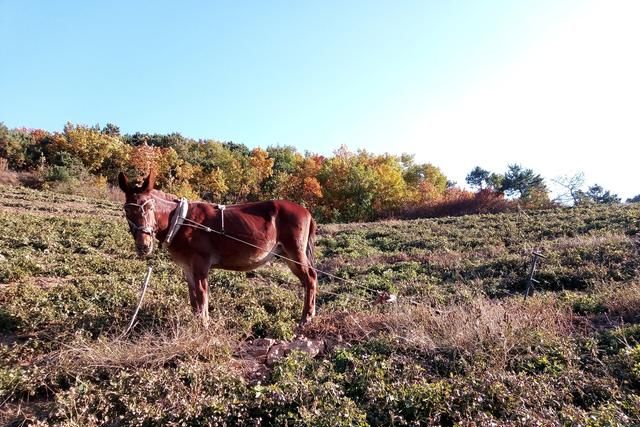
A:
(301, 183)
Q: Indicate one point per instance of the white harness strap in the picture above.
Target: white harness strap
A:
(222, 208)
(176, 221)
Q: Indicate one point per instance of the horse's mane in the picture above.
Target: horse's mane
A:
(157, 194)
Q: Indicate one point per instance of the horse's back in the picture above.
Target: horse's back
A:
(292, 223)
(280, 210)
(294, 215)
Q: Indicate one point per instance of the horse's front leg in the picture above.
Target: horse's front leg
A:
(198, 292)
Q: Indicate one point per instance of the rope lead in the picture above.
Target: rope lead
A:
(135, 314)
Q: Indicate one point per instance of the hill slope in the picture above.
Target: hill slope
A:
(459, 345)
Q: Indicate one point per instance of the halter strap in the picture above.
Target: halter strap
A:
(145, 229)
(137, 205)
(135, 227)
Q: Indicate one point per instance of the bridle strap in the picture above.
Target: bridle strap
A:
(137, 205)
(142, 228)
(145, 229)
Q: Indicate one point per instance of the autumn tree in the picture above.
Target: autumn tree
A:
(295, 177)
(93, 148)
(14, 145)
(235, 168)
(210, 162)
(346, 184)
(226, 172)
(425, 182)
(285, 158)
(360, 186)
(286, 161)
(388, 186)
(306, 180)
(257, 167)
(171, 140)
(173, 174)
(210, 184)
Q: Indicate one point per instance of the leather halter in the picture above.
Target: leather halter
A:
(144, 227)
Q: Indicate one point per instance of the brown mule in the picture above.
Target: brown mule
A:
(240, 237)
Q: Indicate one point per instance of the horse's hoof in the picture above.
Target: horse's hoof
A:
(304, 322)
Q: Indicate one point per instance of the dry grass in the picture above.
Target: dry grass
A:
(9, 177)
(621, 302)
(481, 324)
(151, 349)
(586, 242)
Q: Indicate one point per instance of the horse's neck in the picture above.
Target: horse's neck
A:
(165, 204)
(165, 198)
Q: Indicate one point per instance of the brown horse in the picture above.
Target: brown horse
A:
(200, 236)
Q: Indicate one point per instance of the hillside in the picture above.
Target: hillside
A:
(459, 346)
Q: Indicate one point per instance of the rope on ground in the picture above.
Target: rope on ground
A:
(135, 314)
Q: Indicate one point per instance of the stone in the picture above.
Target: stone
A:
(255, 370)
(257, 349)
(276, 353)
(311, 347)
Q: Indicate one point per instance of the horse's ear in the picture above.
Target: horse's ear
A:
(149, 182)
(123, 182)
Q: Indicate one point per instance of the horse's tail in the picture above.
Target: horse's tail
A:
(311, 244)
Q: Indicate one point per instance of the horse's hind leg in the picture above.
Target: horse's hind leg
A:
(309, 280)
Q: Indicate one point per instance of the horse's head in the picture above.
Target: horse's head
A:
(139, 208)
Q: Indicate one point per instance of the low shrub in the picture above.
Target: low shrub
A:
(459, 202)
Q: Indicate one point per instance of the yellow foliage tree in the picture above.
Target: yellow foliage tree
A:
(210, 185)
(425, 183)
(246, 174)
(89, 145)
(389, 187)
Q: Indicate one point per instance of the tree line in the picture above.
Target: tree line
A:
(347, 186)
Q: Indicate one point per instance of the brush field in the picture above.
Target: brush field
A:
(459, 347)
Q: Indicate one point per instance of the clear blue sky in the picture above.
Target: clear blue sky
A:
(458, 83)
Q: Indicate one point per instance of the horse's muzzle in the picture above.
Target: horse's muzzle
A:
(144, 251)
